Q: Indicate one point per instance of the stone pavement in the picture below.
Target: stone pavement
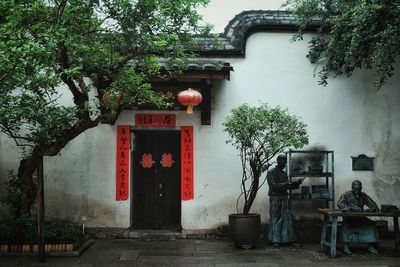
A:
(211, 252)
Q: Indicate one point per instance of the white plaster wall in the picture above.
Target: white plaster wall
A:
(348, 116)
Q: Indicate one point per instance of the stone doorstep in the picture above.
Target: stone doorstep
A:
(155, 235)
(124, 233)
(75, 253)
(173, 235)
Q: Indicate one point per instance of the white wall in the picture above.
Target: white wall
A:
(348, 116)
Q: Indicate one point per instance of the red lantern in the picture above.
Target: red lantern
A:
(190, 98)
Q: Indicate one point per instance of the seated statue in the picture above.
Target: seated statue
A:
(358, 229)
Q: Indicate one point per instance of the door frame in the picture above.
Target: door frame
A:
(134, 129)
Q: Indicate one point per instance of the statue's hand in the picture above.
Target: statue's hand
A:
(355, 208)
(373, 210)
(293, 185)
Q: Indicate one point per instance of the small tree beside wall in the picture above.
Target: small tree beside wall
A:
(259, 134)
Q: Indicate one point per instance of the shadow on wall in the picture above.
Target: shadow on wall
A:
(308, 161)
(388, 190)
(72, 207)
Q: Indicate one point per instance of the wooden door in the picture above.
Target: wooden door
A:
(156, 170)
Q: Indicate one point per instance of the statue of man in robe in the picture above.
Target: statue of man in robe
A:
(281, 227)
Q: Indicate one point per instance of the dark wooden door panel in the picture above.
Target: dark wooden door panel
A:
(156, 180)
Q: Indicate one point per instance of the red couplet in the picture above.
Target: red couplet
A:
(122, 174)
(187, 163)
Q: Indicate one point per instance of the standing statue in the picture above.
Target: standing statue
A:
(358, 229)
(281, 228)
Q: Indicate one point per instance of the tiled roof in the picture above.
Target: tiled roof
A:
(232, 41)
(241, 26)
(200, 65)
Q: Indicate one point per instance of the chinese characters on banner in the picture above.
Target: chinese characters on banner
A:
(122, 179)
(187, 163)
(158, 120)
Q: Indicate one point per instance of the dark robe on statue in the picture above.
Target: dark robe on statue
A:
(281, 227)
(358, 229)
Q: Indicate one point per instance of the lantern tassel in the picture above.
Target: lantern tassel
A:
(189, 110)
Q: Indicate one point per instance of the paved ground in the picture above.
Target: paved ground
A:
(218, 253)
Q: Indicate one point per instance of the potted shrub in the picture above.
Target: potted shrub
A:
(259, 134)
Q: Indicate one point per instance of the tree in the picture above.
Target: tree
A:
(259, 134)
(98, 53)
(360, 34)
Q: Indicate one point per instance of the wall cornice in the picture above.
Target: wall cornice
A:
(242, 26)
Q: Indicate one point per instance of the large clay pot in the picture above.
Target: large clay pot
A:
(245, 229)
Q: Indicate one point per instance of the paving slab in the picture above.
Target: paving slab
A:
(130, 255)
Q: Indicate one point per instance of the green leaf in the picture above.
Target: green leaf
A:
(260, 133)
(352, 35)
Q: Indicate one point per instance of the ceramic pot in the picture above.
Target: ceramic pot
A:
(245, 230)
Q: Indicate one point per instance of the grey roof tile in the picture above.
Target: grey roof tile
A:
(198, 65)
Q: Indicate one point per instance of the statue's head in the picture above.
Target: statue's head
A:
(356, 187)
(281, 160)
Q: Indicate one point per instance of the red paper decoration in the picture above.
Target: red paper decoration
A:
(190, 98)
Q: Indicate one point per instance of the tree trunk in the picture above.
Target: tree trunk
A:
(253, 193)
(27, 167)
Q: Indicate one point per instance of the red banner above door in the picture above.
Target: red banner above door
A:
(155, 120)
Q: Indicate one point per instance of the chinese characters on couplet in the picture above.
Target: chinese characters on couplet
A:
(122, 179)
(187, 162)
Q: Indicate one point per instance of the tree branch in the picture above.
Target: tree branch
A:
(79, 98)
(60, 9)
(8, 131)
(95, 29)
(68, 135)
